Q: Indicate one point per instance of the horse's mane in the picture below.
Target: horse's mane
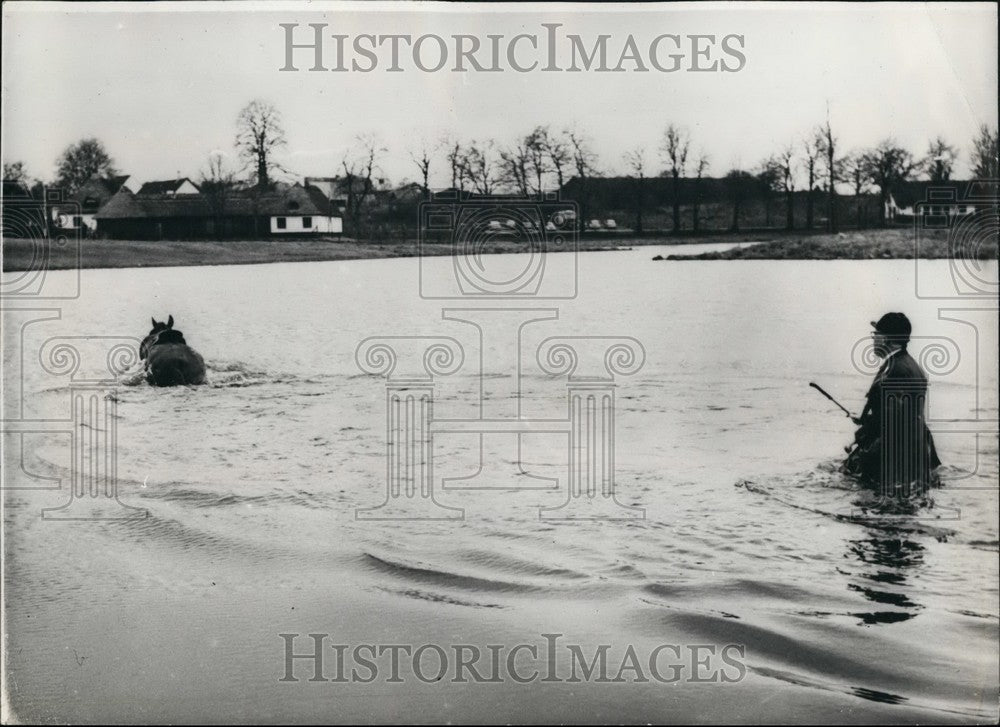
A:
(170, 336)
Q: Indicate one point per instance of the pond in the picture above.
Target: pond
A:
(737, 529)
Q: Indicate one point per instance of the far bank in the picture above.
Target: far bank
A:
(889, 244)
(22, 254)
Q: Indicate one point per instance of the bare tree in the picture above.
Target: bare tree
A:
(940, 161)
(675, 146)
(557, 148)
(786, 170)
(700, 167)
(738, 185)
(480, 167)
(525, 163)
(887, 165)
(455, 155)
(514, 167)
(217, 184)
(985, 153)
(585, 165)
(827, 144)
(360, 170)
(769, 176)
(537, 156)
(813, 152)
(855, 170)
(636, 163)
(259, 133)
(81, 161)
(421, 156)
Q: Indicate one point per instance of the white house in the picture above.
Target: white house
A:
(305, 224)
(304, 211)
(912, 199)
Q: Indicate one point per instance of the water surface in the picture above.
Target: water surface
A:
(252, 483)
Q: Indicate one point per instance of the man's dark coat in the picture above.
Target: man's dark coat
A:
(894, 447)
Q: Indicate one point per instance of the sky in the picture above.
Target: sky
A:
(162, 84)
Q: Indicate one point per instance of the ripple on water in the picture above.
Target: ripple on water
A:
(444, 578)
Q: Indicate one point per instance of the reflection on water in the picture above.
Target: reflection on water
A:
(886, 561)
(876, 696)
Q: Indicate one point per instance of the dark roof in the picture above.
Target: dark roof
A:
(295, 200)
(109, 185)
(908, 194)
(411, 191)
(125, 205)
(94, 194)
(13, 189)
(115, 183)
(320, 200)
(621, 190)
(169, 186)
(91, 195)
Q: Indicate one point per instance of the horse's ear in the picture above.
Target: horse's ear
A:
(153, 320)
(170, 322)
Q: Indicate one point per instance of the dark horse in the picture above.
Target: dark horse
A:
(169, 360)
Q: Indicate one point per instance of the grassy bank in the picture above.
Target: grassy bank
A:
(19, 254)
(861, 245)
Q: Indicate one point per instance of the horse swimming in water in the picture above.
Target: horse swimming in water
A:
(169, 360)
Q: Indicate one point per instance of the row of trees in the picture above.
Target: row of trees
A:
(546, 158)
(543, 157)
(818, 162)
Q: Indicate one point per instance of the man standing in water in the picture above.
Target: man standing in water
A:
(893, 448)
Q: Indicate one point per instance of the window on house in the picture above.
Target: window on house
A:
(282, 223)
(307, 223)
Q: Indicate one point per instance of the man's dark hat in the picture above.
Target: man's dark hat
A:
(893, 324)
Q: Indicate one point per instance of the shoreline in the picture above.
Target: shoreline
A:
(20, 255)
(883, 244)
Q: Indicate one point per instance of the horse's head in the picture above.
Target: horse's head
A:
(160, 333)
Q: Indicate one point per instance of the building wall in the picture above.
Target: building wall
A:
(167, 228)
(925, 208)
(228, 227)
(295, 225)
(65, 221)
